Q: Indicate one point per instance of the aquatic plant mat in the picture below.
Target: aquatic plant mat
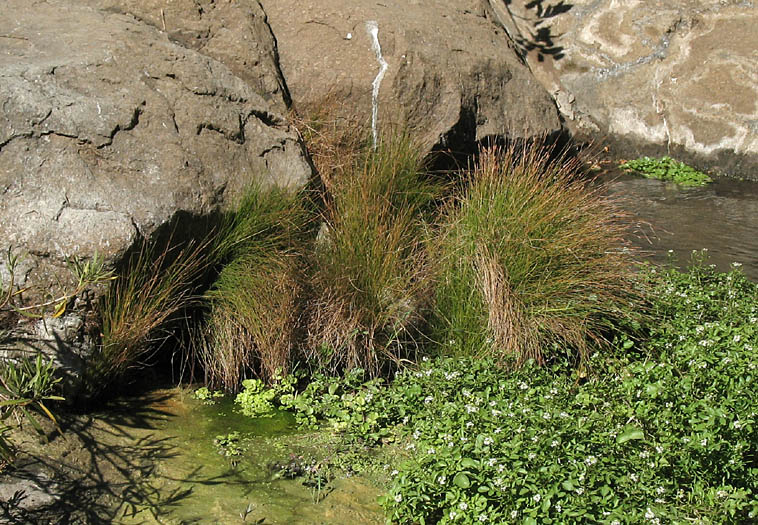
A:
(152, 459)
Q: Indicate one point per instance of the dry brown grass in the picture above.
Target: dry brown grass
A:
(253, 321)
(369, 280)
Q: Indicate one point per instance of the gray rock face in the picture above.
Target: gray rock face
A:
(450, 72)
(110, 126)
(651, 77)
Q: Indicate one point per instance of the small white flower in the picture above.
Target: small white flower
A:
(492, 462)
(537, 498)
(428, 399)
(591, 460)
(649, 514)
(442, 480)
(394, 473)
(532, 455)
(463, 505)
(398, 498)
(514, 514)
(704, 443)
(431, 451)
(453, 514)
(554, 443)
(482, 517)
(487, 441)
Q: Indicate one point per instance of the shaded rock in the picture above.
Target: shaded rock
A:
(109, 127)
(650, 77)
(450, 72)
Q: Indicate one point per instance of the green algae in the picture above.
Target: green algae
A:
(215, 488)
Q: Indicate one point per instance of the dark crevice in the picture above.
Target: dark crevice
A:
(130, 126)
(280, 74)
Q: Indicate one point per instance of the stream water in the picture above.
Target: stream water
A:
(721, 217)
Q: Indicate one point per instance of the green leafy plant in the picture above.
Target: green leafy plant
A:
(256, 400)
(530, 260)
(661, 431)
(206, 395)
(86, 272)
(25, 385)
(229, 445)
(368, 279)
(666, 168)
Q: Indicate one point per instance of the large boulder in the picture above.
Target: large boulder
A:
(650, 77)
(111, 126)
(451, 73)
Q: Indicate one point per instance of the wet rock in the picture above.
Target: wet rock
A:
(450, 72)
(650, 77)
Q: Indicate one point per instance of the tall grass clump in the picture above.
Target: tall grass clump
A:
(252, 306)
(530, 260)
(369, 281)
(156, 283)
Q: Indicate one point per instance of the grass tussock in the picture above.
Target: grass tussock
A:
(336, 138)
(369, 280)
(253, 305)
(531, 260)
(152, 289)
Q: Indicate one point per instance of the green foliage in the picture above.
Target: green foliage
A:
(255, 400)
(229, 445)
(206, 395)
(369, 281)
(25, 385)
(87, 273)
(665, 433)
(258, 400)
(668, 169)
(531, 261)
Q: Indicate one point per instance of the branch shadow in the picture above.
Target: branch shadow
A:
(106, 482)
(539, 36)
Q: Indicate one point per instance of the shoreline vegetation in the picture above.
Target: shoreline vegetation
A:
(489, 330)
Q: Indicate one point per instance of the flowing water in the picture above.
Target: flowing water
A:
(721, 217)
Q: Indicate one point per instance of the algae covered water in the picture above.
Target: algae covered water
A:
(233, 481)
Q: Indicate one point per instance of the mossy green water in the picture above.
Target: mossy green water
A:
(210, 487)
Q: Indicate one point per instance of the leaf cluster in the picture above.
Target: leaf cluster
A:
(668, 169)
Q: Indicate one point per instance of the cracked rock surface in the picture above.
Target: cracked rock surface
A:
(451, 72)
(110, 126)
(651, 77)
